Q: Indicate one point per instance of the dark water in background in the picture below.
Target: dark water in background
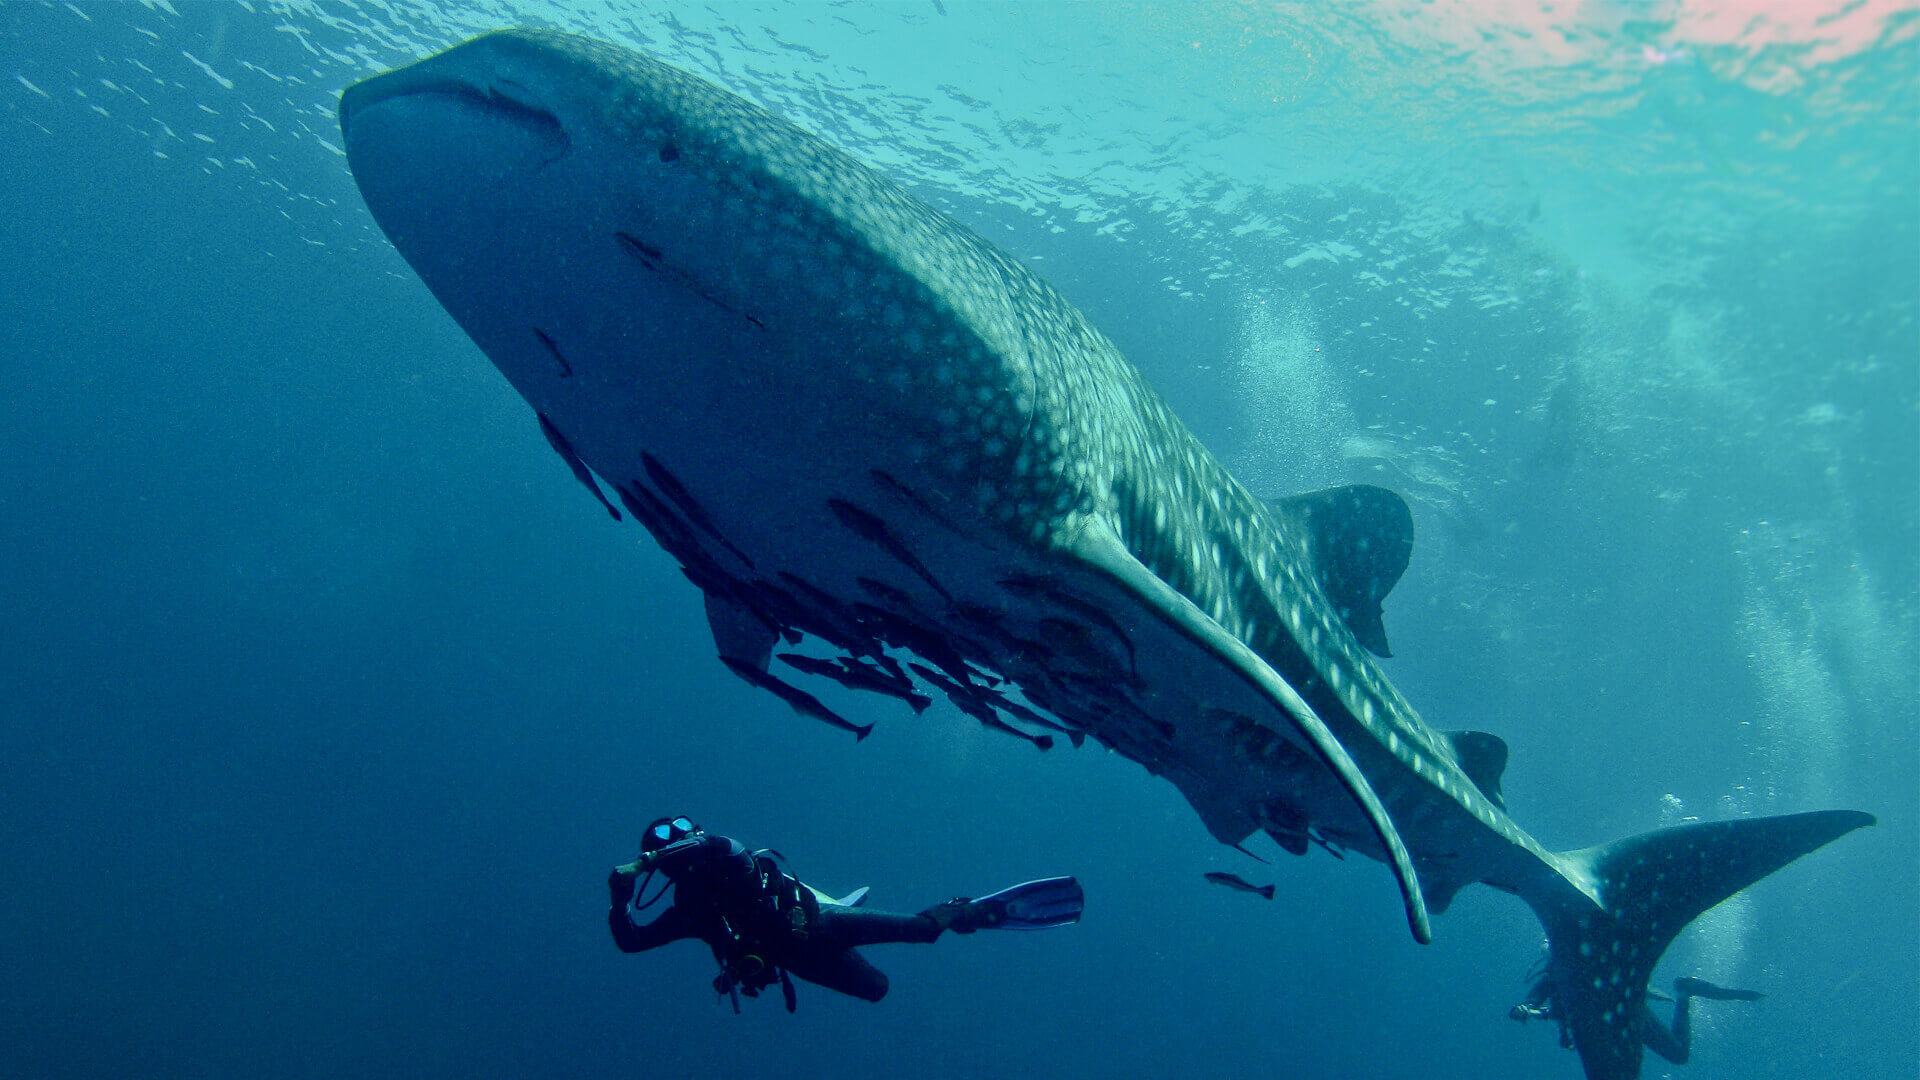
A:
(328, 696)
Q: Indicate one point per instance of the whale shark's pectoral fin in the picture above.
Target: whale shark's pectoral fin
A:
(1101, 549)
(1361, 538)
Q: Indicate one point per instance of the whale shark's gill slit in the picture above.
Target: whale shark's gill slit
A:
(640, 249)
(1078, 644)
(911, 498)
(673, 489)
(652, 258)
(873, 530)
(553, 350)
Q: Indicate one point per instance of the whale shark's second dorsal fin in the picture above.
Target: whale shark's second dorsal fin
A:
(1483, 758)
(1360, 537)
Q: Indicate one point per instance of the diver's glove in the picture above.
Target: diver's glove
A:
(619, 887)
(620, 881)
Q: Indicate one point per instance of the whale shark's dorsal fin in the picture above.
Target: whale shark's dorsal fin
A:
(1483, 758)
(1360, 537)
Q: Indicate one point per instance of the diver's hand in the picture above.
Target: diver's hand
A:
(638, 866)
(622, 880)
(619, 887)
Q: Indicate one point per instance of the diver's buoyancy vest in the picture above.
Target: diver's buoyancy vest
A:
(780, 911)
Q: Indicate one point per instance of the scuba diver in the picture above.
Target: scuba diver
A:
(766, 926)
(1675, 1042)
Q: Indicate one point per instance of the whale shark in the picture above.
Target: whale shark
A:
(864, 431)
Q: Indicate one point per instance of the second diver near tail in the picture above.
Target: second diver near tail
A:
(1671, 1041)
(766, 926)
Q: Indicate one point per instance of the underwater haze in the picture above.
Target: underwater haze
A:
(330, 697)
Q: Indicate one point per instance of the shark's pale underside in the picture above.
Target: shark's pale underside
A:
(853, 421)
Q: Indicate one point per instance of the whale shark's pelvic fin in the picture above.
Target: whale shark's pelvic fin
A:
(1361, 538)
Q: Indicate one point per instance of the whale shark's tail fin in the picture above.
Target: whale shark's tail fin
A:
(1649, 888)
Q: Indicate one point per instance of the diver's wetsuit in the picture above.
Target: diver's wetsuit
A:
(743, 906)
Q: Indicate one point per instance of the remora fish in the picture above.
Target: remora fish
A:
(1236, 882)
(857, 393)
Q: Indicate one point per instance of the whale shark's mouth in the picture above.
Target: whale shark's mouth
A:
(405, 125)
(438, 90)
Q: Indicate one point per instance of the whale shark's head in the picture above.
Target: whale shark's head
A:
(580, 210)
(597, 220)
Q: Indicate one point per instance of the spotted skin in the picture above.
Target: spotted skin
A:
(855, 423)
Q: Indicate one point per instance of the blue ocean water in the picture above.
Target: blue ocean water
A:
(329, 697)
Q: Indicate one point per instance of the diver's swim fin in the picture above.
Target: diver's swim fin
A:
(1030, 905)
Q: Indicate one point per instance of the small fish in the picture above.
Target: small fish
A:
(803, 703)
(1235, 881)
(856, 675)
(971, 700)
(673, 489)
(580, 471)
(873, 530)
(1021, 712)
